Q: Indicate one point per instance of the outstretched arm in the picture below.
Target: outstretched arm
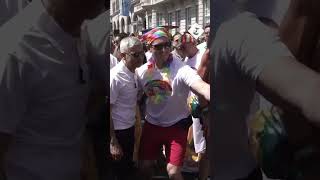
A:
(290, 81)
(297, 87)
(201, 88)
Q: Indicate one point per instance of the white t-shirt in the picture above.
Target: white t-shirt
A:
(43, 96)
(113, 61)
(148, 55)
(198, 135)
(176, 55)
(242, 48)
(167, 90)
(123, 96)
(195, 61)
(202, 46)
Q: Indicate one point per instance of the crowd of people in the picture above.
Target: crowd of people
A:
(59, 79)
(167, 80)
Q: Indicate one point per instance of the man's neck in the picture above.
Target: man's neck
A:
(70, 25)
(131, 69)
(160, 64)
(194, 52)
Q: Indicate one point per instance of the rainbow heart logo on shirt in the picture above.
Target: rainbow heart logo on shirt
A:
(158, 90)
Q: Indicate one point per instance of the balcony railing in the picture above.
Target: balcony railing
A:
(137, 7)
(146, 1)
(158, 1)
(135, 1)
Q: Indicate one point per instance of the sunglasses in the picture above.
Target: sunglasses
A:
(162, 45)
(136, 54)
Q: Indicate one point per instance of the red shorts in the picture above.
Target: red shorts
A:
(153, 137)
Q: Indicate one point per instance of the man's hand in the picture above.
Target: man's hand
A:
(115, 149)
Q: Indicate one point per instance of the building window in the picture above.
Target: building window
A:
(178, 18)
(197, 13)
(206, 12)
(113, 7)
(170, 18)
(150, 21)
(159, 19)
(117, 5)
(188, 17)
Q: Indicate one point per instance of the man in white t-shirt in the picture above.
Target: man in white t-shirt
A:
(203, 46)
(166, 81)
(44, 84)
(193, 59)
(249, 56)
(123, 101)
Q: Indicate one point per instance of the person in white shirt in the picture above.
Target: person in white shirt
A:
(177, 51)
(148, 55)
(249, 56)
(123, 101)
(193, 59)
(113, 61)
(203, 46)
(44, 84)
(166, 81)
(116, 44)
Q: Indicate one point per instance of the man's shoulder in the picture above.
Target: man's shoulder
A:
(116, 70)
(116, 76)
(16, 34)
(98, 31)
(181, 68)
(144, 68)
(178, 63)
(239, 25)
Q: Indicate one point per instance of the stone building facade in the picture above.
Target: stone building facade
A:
(136, 15)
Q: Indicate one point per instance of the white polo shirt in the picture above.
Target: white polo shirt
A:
(43, 94)
(123, 96)
(167, 90)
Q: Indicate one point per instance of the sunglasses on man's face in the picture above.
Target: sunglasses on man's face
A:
(162, 45)
(136, 54)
